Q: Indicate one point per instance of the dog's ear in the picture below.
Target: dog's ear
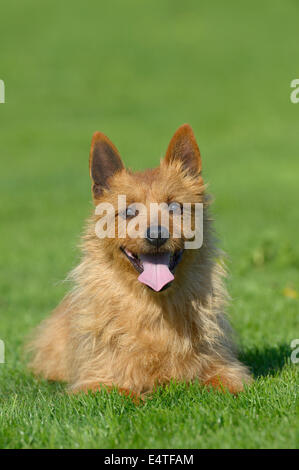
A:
(104, 161)
(183, 147)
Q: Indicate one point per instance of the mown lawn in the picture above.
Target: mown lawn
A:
(136, 71)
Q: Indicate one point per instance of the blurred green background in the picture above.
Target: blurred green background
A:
(136, 70)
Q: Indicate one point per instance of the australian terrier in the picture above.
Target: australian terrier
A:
(145, 309)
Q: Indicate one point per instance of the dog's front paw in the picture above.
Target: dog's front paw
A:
(98, 387)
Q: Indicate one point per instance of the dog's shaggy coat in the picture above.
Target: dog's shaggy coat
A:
(113, 330)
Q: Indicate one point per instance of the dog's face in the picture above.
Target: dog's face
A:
(147, 237)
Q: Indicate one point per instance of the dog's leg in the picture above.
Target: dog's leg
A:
(229, 377)
(48, 346)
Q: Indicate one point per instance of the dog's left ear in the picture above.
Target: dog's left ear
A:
(183, 147)
(104, 162)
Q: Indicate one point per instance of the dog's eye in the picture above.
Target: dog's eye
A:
(175, 207)
(131, 212)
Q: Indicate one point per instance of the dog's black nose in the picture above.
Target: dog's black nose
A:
(157, 235)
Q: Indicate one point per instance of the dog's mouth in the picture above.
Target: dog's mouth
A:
(156, 270)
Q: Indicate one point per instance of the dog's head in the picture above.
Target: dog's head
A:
(141, 217)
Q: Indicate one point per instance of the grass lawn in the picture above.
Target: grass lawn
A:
(136, 71)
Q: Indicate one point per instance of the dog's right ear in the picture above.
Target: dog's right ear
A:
(104, 162)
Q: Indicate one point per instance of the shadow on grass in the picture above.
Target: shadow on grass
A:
(267, 360)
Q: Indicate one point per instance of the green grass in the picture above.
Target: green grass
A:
(136, 71)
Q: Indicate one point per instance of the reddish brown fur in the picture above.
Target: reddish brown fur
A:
(112, 330)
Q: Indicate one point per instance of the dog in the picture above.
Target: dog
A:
(143, 311)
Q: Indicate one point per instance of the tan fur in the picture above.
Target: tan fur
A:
(112, 330)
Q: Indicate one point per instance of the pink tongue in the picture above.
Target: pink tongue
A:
(156, 273)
